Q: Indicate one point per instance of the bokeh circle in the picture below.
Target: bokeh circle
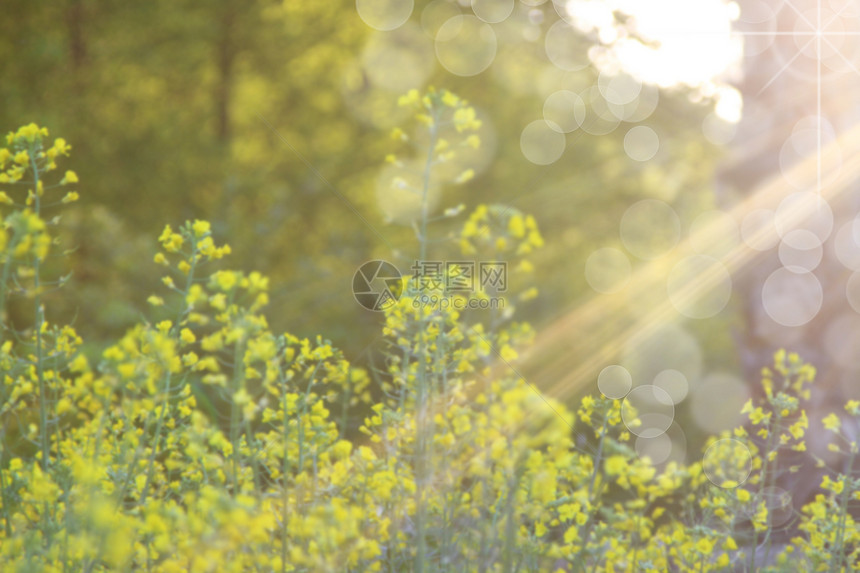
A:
(650, 228)
(614, 382)
(542, 143)
(384, 15)
(727, 463)
(648, 411)
(607, 270)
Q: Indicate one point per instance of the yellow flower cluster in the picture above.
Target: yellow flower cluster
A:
(450, 123)
(503, 229)
(203, 441)
(24, 240)
(27, 151)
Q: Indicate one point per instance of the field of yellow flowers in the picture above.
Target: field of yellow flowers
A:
(206, 442)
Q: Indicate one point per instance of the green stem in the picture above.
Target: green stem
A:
(838, 555)
(286, 469)
(598, 457)
(150, 464)
(188, 282)
(4, 280)
(425, 191)
(765, 477)
(587, 527)
(164, 405)
(344, 407)
(510, 523)
(422, 402)
(238, 373)
(7, 525)
(39, 320)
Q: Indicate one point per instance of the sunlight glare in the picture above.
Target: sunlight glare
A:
(671, 42)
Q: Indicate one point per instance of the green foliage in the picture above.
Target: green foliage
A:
(216, 110)
(202, 440)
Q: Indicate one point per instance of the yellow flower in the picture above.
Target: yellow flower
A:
(195, 294)
(465, 176)
(528, 294)
(70, 177)
(567, 511)
(835, 486)
(832, 423)
(411, 98)
(465, 119)
(200, 228)
(798, 428)
(757, 416)
(187, 336)
(225, 280)
(517, 227)
(450, 99)
(507, 353)
(78, 364)
(189, 359)
(60, 147)
(616, 465)
(705, 546)
(126, 369)
(31, 132)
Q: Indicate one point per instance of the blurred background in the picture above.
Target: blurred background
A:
(669, 151)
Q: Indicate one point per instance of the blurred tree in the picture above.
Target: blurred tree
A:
(272, 120)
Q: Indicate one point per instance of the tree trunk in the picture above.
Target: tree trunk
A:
(225, 56)
(75, 27)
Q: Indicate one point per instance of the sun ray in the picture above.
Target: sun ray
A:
(801, 15)
(786, 66)
(548, 360)
(839, 53)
